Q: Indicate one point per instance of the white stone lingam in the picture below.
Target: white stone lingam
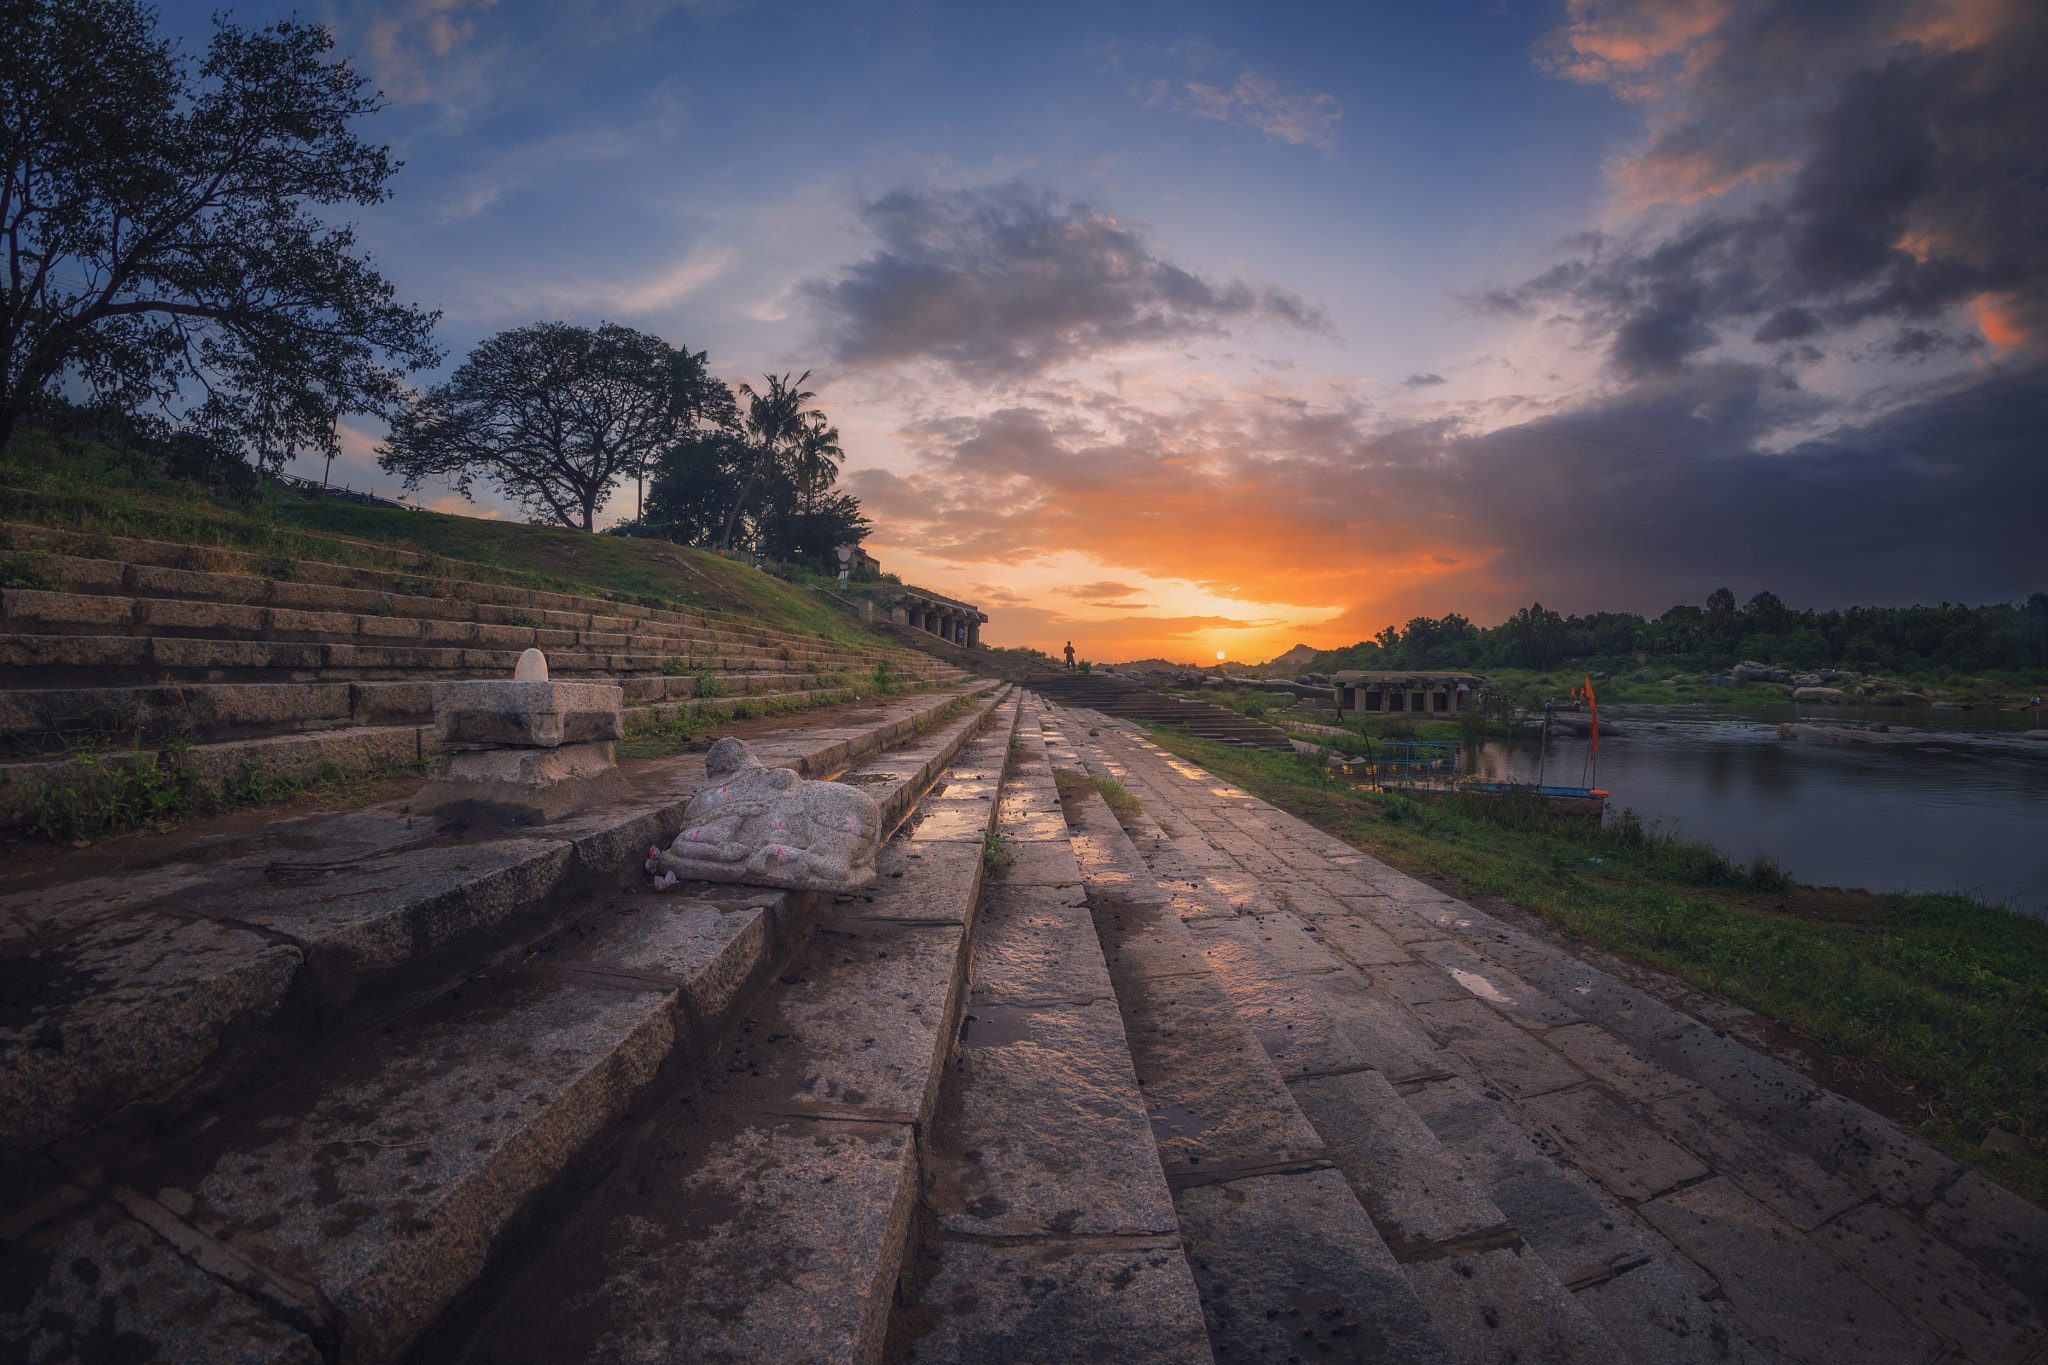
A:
(526, 751)
(769, 827)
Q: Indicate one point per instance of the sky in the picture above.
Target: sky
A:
(1178, 330)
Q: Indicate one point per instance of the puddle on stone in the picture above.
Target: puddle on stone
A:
(996, 1025)
(1479, 986)
(1172, 1121)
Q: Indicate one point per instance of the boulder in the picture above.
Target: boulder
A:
(1642, 675)
(1830, 695)
(769, 827)
(2034, 734)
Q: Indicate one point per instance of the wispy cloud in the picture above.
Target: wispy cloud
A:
(1258, 102)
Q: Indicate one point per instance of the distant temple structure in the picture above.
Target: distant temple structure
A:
(1364, 691)
(923, 609)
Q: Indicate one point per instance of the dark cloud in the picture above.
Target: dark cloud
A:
(1005, 282)
(1421, 381)
(1879, 161)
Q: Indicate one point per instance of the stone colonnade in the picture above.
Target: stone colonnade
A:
(958, 622)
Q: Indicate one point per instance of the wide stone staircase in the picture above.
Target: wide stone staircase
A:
(1188, 1083)
(250, 663)
(340, 1089)
(1113, 696)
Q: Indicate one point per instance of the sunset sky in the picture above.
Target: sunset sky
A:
(1173, 329)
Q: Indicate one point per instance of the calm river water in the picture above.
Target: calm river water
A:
(1963, 809)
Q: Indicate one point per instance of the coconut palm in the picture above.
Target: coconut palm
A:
(776, 422)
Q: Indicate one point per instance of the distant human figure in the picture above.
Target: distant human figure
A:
(1070, 654)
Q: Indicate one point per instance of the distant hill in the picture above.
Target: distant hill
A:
(1294, 659)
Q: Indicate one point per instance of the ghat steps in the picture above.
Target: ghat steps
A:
(294, 1101)
(289, 666)
(1227, 1089)
(1113, 696)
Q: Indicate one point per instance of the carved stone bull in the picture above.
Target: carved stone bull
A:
(769, 827)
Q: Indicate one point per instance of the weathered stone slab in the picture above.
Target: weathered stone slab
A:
(1386, 1036)
(97, 1286)
(1036, 944)
(1289, 1266)
(1504, 1306)
(1280, 1009)
(1044, 1130)
(1612, 1144)
(1806, 1302)
(1497, 986)
(1038, 862)
(1562, 1215)
(535, 715)
(1626, 1070)
(1061, 1301)
(1845, 1135)
(1508, 1057)
(1986, 1320)
(1771, 1169)
(1416, 1198)
(128, 1008)
(384, 1184)
(1360, 943)
(1417, 983)
(1752, 1083)
(1658, 1313)
(522, 786)
(1998, 1227)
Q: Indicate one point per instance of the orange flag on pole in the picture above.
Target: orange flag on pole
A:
(1593, 706)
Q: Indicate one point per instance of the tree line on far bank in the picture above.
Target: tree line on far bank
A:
(2001, 638)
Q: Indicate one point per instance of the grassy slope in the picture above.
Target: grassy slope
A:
(85, 488)
(1936, 993)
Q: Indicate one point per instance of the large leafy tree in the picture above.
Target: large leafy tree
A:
(555, 415)
(160, 243)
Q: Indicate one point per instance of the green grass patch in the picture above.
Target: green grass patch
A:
(142, 789)
(1121, 803)
(93, 490)
(995, 852)
(1940, 992)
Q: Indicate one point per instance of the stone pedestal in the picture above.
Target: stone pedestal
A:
(524, 751)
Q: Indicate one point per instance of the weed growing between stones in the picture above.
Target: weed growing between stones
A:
(995, 852)
(1943, 997)
(1121, 803)
(710, 685)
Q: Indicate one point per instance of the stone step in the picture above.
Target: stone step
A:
(763, 1212)
(1699, 1201)
(1050, 1232)
(383, 621)
(305, 754)
(1341, 1058)
(54, 719)
(52, 661)
(1285, 1257)
(122, 565)
(134, 992)
(437, 1137)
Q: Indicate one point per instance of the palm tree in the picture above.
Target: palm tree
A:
(817, 459)
(777, 421)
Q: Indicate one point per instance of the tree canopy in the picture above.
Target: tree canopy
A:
(555, 415)
(2004, 637)
(160, 247)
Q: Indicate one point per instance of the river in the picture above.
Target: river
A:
(1964, 808)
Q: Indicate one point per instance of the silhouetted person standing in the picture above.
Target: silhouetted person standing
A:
(1070, 654)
